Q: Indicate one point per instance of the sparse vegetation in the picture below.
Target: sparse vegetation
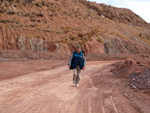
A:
(100, 40)
(64, 40)
(38, 4)
(82, 43)
(11, 12)
(27, 15)
(32, 20)
(41, 37)
(39, 15)
(29, 36)
(64, 23)
(80, 35)
(145, 38)
(66, 29)
(72, 38)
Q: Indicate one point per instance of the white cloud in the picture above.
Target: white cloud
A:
(140, 7)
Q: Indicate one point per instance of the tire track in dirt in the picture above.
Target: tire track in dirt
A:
(108, 102)
(51, 91)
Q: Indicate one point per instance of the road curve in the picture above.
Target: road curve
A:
(51, 91)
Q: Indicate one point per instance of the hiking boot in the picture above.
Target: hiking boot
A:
(74, 84)
(77, 85)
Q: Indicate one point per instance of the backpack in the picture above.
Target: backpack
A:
(73, 57)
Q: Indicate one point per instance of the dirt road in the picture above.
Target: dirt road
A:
(50, 90)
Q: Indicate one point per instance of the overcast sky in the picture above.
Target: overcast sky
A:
(140, 7)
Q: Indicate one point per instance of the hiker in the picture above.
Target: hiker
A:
(77, 63)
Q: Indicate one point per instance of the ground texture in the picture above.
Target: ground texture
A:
(46, 87)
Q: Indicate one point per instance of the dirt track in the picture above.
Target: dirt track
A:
(50, 90)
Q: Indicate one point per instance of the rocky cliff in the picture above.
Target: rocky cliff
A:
(57, 26)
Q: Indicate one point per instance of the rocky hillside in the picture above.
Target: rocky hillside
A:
(57, 26)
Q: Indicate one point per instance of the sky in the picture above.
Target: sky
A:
(140, 7)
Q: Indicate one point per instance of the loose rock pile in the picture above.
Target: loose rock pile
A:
(140, 80)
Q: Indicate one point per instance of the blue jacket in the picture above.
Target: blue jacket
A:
(77, 59)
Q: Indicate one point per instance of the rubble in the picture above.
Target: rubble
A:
(140, 80)
(138, 73)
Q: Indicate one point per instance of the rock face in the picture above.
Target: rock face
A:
(59, 25)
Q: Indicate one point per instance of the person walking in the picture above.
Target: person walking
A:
(77, 62)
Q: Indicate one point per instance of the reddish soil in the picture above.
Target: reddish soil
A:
(46, 87)
(49, 31)
(58, 26)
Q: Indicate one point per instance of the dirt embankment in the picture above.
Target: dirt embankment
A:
(58, 26)
(137, 73)
(21, 67)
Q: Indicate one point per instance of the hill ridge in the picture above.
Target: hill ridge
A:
(59, 25)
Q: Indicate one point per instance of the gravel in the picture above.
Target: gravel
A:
(140, 80)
